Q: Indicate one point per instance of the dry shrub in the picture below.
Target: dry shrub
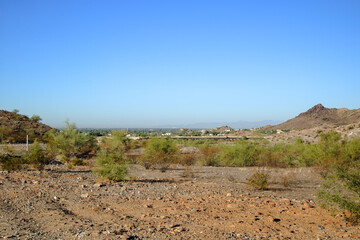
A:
(188, 173)
(210, 156)
(288, 180)
(231, 179)
(188, 159)
(11, 163)
(259, 180)
(322, 171)
(78, 162)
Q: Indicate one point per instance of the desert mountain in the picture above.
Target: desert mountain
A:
(318, 116)
(14, 127)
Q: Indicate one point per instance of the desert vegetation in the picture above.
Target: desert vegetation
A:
(111, 159)
(71, 144)
(160, 152)
(336, 158)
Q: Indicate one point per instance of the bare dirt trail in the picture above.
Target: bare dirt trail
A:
(204, 203)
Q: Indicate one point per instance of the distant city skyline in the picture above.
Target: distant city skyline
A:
(123, 64)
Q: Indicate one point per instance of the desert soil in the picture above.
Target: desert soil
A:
(196, 203)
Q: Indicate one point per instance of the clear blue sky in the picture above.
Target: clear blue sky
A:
(147, 63)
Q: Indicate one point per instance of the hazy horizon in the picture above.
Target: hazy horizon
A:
(109, 64)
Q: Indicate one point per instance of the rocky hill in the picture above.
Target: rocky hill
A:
(222, 129)
(14, 128)
(320, 116)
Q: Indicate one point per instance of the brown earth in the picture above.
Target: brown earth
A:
(319, 116)
(196, 203)
(14, 127)
(312, 135)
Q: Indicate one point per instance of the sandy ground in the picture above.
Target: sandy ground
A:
(196, 203)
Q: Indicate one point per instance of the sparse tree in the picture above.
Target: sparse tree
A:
(36, 118)
(71, 143)
(111, 159)
(15, 111)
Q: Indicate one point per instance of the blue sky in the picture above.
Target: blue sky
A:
(151, 63)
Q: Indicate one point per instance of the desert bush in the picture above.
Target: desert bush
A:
(210, 156)
(231, 178)
(341, 190)
(71, 143)
(37, 156)
(259, 180)
(10, 162)
(341, 186)
(111, 166)
(118, 141)
(2, 134)
(78, 162)
(111, 160)
(36, 118)
(288, 180)
(188, 172)
(269, 157)
(242, 154)
(188, 159)
(161, 152)
(330, 149)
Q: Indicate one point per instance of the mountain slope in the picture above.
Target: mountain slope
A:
(14, 127)
(320, 116)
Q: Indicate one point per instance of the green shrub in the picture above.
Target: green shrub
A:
(111, 160)
(259, 180)
(341, 186)
(161, 152)
(71, 143)
(341, 190)
(242, 154)
(331, 149)
(111, 165)
(118, 141)
(36, 118)
(37, 156)
(11, 163)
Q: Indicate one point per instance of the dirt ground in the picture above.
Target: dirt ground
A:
(196, 203)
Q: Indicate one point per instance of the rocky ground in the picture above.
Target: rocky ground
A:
(183, 203)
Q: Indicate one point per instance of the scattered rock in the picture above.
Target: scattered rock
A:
(98, 185)
(84, 195)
